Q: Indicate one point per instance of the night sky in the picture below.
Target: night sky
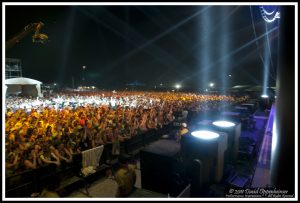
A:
(149, 44)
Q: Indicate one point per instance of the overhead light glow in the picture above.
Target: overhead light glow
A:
(225, 124)
(177, 86)
(264, 96)
(211, 84)
(204, 134)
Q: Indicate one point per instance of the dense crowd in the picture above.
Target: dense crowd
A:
(40, 131)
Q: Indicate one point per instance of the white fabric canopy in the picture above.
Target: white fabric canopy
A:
(23, 85)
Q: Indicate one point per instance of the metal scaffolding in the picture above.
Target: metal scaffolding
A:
(13, 68)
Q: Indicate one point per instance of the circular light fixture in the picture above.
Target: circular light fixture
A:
(223, 124)
(264, 96)
(204, 134)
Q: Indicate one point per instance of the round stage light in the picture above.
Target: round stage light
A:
(204, 134)
(223, 124)
(264, 96)
(177, 86)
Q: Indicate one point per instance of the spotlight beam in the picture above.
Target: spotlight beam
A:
(237, 63)
(267, 57)
(154, 49)
(192, 46)
(268, 41)
(204, 56)
(115, 31)
(157, 37)
(233, 52)
(160, 21)
(244, 29)
(195, 46)
(66, 46)
(255, 35)
(265, 69)
(223, 50)
(167, 23)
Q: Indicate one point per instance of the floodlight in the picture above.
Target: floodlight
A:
(205, 134)
(223, 124)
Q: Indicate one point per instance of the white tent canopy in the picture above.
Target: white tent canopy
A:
(27, 86)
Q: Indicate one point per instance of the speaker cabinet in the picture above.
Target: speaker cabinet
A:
(161, 169)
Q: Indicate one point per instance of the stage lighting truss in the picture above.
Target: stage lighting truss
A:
(269, 14)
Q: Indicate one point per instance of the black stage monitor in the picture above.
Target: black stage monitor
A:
(161, 169)
(208, 147)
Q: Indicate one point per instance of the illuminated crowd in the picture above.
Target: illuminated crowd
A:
(49, 130)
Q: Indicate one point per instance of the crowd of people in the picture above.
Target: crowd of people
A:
(49, 130)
